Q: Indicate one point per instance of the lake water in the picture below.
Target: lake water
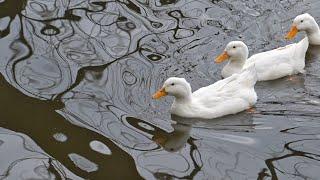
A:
(78, 75)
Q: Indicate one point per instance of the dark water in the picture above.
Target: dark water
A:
(77, 79)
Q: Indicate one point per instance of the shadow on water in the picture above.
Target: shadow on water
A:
(182, 139)
(176, 139)
(170, 142)
(39, 120)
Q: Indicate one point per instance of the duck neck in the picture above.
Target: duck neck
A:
(314, 35)
(237, 62)
(185, 98)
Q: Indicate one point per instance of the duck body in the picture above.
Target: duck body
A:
(281, 62)
(215, 105)
(276, 63)
(227, 96)
(272, 64)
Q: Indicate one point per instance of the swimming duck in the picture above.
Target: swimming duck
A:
(305, 22)
(228, 96)
(269, 65)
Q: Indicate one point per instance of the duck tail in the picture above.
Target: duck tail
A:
(248, 75)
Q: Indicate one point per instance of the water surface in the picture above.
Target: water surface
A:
(77, 79)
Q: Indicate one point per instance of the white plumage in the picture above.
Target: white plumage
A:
(228, 96)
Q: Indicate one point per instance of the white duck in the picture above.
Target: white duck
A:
(305, 22)
(269, 65)
(228, 96)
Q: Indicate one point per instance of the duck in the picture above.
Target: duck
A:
(270, 65)
(228, 96)
(307, 23)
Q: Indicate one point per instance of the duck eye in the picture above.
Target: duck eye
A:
(172, 84)
(234, 47)
(301, 21)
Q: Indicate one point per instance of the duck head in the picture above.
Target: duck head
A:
(177, 87)
(304, 22)
(234, 51)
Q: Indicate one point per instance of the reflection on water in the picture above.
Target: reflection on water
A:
(77, 79)
(83, 163)
(26, 160)
(100, 147)
(176, 140)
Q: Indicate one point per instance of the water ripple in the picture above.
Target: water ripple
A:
(96, 63)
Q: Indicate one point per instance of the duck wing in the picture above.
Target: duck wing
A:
(280, 62)
(227, 90)
(218, 92)
(214, 88)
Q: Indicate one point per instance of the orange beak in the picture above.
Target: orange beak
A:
(162, 92)
(224, 56)
(292, 33)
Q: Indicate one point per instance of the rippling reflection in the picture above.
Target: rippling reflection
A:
(58, 137)
(77, 78)
(26, 160)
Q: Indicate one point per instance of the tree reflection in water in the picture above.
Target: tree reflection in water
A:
(87, 69)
